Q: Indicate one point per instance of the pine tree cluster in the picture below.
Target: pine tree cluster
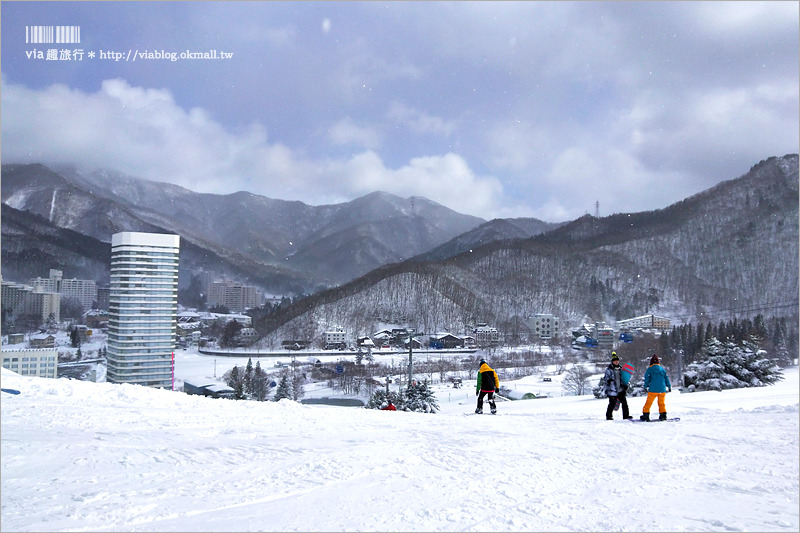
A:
(728, 365)
(250, 383)
(777, 336)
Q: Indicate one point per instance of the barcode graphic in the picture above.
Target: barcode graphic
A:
(52, 34)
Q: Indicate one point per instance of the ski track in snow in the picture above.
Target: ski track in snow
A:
(81, 456)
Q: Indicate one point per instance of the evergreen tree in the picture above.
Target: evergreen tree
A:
(75, 337)
(380, 399)
(52, 323)
(248, 377)
(419, 398)
(259, 383)
(283, 391)
(229, 333)
(728, 365)
(664, 345)
(709, 333)
(234, 378)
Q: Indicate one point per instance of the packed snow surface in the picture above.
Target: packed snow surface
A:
(80, 456)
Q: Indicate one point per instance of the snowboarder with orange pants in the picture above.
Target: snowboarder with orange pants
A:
(656, 383)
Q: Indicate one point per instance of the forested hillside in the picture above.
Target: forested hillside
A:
(734, 246)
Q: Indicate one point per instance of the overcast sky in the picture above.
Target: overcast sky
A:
(492, 109)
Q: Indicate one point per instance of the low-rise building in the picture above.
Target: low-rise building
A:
(544, 326)
(212, 389)
(444, 340)
(41, 363)
(605, 338)
(95, 318)
(644, 322)
(246, 336)
(42, 340)
(335, 338)
(486, 335)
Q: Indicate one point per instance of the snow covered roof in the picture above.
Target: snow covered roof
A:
(218, 387)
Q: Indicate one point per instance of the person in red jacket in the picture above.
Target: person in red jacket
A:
(389, 407)
(488, 384)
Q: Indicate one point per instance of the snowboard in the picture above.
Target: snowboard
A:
(10, 391)
(627, 373)
(674, 419)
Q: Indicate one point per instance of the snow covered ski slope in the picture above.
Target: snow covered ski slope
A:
(79, 456)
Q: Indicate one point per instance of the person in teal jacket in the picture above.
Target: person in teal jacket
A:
(656, 383)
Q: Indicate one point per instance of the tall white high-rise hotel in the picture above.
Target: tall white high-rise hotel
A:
(143, 308)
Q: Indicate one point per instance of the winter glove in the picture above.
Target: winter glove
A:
(476, 393)
(669, 389)
(497, 390)
(623, 387)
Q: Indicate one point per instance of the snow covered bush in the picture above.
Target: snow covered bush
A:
(731, 366)
(380, 399)
(419, 398)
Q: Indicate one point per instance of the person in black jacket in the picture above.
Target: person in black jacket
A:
(615, 389)
(488, 384)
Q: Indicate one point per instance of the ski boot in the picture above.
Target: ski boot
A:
(493, 407)
(645, 417)
(662, 416)
(478, 411)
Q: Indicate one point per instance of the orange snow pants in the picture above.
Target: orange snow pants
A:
(662, 407)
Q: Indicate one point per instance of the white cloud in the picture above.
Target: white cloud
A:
(145, 133)
(326, 25)
(516, 145)
(725, 18)
(419, 121)
(347, 132)
(445, 179)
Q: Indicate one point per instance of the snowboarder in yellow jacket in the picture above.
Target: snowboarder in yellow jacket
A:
(488, 384)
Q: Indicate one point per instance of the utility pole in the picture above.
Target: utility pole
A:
(597, 209)
(411, 334)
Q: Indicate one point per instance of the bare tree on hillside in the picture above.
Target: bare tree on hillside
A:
(575, 380)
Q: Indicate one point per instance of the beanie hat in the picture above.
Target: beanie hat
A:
(654, 360)
(614, 356)
(482, 361)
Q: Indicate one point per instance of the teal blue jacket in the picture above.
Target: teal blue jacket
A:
(656, 379)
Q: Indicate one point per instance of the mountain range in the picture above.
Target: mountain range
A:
(731, 250)
(384, 259)
(284, 247)
(281, 246)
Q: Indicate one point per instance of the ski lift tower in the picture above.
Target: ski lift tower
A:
(410, 333)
